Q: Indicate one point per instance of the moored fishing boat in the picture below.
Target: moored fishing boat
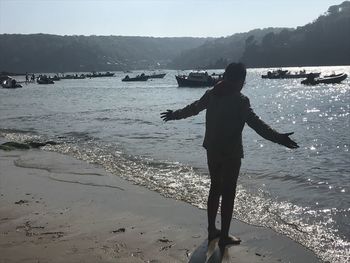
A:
(197, 79)
(330, 79)
(285, 74)
(76, 76)
(10, 83)
(44, 80)
(55, 78)
(141, 77)
(157, 76)
(100, 75)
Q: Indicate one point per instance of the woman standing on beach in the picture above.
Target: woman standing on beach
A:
(227, 112)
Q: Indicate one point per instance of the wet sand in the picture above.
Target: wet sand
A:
(54, 208)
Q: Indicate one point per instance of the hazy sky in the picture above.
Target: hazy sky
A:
(155, 17)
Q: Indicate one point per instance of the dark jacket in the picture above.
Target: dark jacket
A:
(227, 113)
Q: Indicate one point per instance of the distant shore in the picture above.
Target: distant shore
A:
(6, 73)
(54, 207)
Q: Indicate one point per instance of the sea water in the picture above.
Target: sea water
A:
(302, 193)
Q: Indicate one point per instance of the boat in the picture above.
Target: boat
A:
(285, 74)
(333, 75)
(330, 79)
(44, 80)
(100, 75)
(76, 76)
(157, 76)
(274, 74)
(3, 78)
(141, 77)
(197, 79)
(55, 78)
(10, 83)
(82, 76)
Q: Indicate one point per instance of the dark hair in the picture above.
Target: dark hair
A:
(235, 72)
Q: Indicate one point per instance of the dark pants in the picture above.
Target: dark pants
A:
(224, 171)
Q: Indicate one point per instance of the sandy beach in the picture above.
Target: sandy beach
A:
(54, 208)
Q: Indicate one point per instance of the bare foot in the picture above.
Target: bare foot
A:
(230, 240)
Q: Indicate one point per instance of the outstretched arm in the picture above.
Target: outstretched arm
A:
(266, 131)
(189, 110)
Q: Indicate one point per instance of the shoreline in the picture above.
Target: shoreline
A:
(53, 206)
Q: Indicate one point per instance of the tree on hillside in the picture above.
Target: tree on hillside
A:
(325, 41)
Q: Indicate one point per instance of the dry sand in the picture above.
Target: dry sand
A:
(54, 208)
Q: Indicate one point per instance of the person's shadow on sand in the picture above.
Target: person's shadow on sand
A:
(209, 253)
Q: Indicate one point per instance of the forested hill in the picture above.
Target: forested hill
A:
(325, 41)
(218, 52)
(53, 53)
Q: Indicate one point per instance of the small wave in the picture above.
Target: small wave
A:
(20, 136)
(95, 111)
(4, 132)
(9, 146)
(77, 136)
(124, 120)
(138, 121)
(103, 119)
(144, 137)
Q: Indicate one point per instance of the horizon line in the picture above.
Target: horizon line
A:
(85, 35)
